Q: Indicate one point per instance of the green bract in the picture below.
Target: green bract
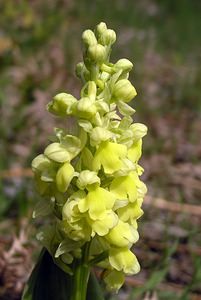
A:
(90, 180)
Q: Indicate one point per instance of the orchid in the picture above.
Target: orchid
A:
(91, 181)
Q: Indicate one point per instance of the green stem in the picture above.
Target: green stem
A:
(81, 276)
(94, 72)
(80, 281)
(98, 258)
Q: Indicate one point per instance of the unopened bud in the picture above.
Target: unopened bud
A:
(108, 37)
(124, 90)
(86, 108)
(100, 28)
(139, 131)
(123, 64)
(57, 152)
(97, 53)
(62, 104)
(89, 38)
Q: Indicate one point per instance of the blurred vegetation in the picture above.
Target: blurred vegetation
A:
(40, 44)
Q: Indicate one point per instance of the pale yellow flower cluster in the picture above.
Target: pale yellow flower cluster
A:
(90, 181)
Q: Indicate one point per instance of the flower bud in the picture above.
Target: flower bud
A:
(100, 28)
(139, 131)
(88, 38)
(108, 37)
(85, 108)
(57, 152)
(123, 64)
(97, 53)
(62, 104)
(124, 90)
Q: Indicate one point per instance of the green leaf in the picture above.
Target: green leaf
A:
(49, 282)
(94, 290)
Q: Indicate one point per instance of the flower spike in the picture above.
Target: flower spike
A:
(90, 181)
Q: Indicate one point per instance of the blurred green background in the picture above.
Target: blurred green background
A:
(40, 44)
